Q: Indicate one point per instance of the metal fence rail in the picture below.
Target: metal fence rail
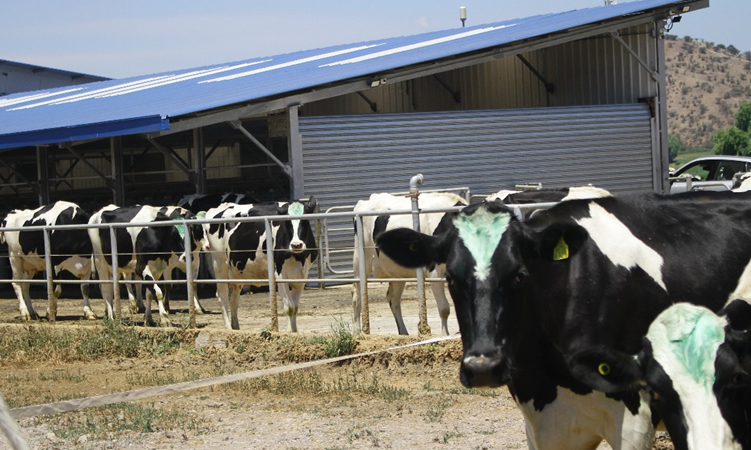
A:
(271, 280)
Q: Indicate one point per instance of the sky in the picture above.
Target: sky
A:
(140, 37)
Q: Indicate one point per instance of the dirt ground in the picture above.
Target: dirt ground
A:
(408, 398)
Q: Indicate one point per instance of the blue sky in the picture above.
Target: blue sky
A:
(139, 37)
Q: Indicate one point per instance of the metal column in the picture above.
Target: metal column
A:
(295, 153)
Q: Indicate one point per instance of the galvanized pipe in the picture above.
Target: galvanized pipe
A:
(48, 268)
(364, 303)
(190, 287)
(115, 274)
(414, 194)
(272, 283)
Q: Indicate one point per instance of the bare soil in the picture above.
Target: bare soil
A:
(408, 398)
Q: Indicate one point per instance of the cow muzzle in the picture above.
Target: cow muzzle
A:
(483, 371)
(297, 246)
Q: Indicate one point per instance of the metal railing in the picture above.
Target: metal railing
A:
(271, 280)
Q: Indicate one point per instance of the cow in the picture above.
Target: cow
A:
(381, 266)
(238, 251)
(146, 252)
(694, 364)
(71, 250)
(197, 203)
(530, 295)
(199, 244)
(546, 195)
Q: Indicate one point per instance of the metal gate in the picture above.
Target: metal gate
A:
(346, 158)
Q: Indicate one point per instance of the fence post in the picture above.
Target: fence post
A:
(272, 277)
(189, 287)
(364, 306)
(414, 193)
(11, 428)
(51, 297)
(116, 273)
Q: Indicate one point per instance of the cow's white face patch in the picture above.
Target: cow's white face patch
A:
(296, 209)
(481, 233)
(685, 339)
(617, 242)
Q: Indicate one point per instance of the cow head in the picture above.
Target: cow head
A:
(485, 252)
(298, 231)
(694, 365)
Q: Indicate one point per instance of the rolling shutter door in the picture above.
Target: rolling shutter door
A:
(346, 158)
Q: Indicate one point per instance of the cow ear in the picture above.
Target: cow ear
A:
(311, 205)
(282, 210)
(412, 249)
(606, 370)
(560, 241)
(738, 313)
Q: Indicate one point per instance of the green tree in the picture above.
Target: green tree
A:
(674, 146)
(731, 142)
(743, 117)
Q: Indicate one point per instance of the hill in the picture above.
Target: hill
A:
(706, 83)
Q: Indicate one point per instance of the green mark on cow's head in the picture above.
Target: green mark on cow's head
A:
(481, 232)
(296, 209)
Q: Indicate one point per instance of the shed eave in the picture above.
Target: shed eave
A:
(137, 125)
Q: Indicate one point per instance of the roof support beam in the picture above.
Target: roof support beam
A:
(80, 157)
(239, 126)
(617, 37)
(176, 160)
(373, 105)
(43, 175)
(17, 174)
(6, 181)
(550, 87)
(454, 93)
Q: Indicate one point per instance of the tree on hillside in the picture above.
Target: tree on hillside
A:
(674, 146)
(732, 141)
(743, 117)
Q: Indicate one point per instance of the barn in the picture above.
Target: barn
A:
(559, 99)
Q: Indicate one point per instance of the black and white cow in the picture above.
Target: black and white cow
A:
(547, 195)
(196, 203)
(147, 252)
(238, 251)
(694, 364)
(381, 266)
(529, 296)
(71, 250)
(199, 244)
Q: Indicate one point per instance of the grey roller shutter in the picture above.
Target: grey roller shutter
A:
(346, 158)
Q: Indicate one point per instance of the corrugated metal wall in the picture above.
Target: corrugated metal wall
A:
(346, 158)
(597, 70)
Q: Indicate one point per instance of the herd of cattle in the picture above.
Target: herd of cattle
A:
(604, 315)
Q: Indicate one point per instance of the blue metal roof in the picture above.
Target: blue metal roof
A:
(145, 104)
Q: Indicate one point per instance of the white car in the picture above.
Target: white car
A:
(710, 173)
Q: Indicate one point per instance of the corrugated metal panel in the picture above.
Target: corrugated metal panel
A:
(346, 158)
(592, 71)
(183, 92)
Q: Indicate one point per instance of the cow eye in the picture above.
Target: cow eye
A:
(521, 276)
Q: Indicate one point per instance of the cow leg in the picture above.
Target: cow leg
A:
(135, 300)
(394, 296)
(291, 293)
(24, 299)
(223, 292)
(56, 291)
(88, 313)
(444, 309)
(356, 300)
(147, 320)
(234, 302)
(196, 304)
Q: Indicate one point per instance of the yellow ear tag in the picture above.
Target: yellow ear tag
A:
(560, 252)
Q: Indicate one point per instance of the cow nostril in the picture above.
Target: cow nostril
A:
(483, 371)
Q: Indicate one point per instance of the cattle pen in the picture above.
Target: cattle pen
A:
(355, 218)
